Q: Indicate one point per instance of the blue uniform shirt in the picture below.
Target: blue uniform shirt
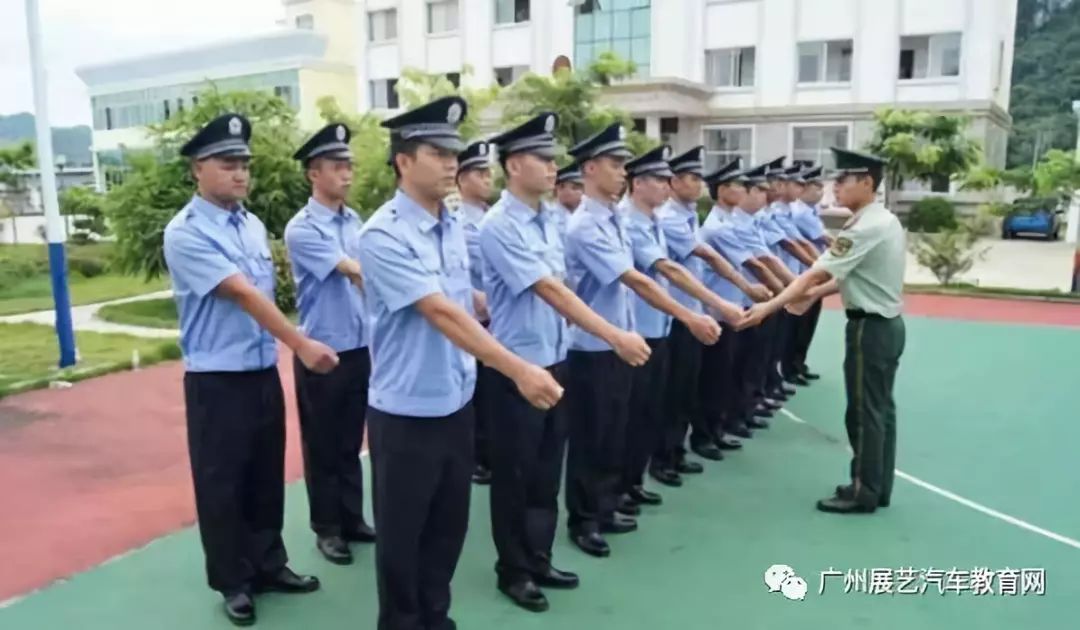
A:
(407, 255)
(773, 233)
(519, 247)
(471, 217)
(562, 218)
(649, 245)
(332, 309)
(681, 226)
(720, 230)
(809, 223)
(598, 253)
(204, 245)
(782, 216)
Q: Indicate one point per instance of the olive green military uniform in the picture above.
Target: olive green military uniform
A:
(867, 259)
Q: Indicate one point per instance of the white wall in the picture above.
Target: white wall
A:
(732, 25)
(477, 39)
(821, 20)
(925, 17)
(513, 46)
(443, 53)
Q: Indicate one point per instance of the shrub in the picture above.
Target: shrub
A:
(951, 251)
(932, 215)
(86, 267)
(285, 288)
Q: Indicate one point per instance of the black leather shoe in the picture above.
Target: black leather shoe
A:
(362, 533)
(481, 475)
(707, 451)
(778, 396)
(728, 443)
(848, 492)
(645, 497)
(797, 379)
(592, 544)
(790, 391)
(334, 549)
(771, 405)
(627, 506)
(240, 609)
(807, 374)
(554, 578)
(763, 412)
(619, 525)
(286, 581)
(525, 594)
(689, 468)
(742, 431)
(838, 505)
(757, 423)
(666, 476)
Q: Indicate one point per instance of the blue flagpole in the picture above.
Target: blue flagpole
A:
(53, 226)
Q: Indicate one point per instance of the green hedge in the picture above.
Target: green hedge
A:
(931, 215)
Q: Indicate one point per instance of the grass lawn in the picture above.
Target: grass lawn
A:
(160, 313)
(30, 354)
(964, 289)
(25, 285)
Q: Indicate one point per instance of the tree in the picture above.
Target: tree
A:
(575, 97)
(89, 208)
(159, 182)
(14, 159)
(922, 146)
(949, 253)
(1046, 79)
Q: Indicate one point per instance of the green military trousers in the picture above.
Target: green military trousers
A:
(874, 345)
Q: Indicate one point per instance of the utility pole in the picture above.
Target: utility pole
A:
(54, 230)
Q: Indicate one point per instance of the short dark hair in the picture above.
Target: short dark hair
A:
(408, 147)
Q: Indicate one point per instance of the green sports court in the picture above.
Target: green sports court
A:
(988, 428)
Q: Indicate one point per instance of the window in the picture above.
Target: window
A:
(285, 93)
(511, 11)
(382, 25)
(454, 78)
(507, 75)
(814, 143)
(383, 94)
(305, 21)
(619, 26)
(730, 67)
(108, 118)
(442, 16)
(194, 101)
(669, 129)
(639, 125)
(179, 104)
(825, 62)
(725, 144)
(166, 107)
(930, 56)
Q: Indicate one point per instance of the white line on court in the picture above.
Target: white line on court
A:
(978, 507)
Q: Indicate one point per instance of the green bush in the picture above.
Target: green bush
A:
(932, 215)
(285, 288)
(16, 270)
(86, 267)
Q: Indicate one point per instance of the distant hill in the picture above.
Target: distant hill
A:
(71, 142)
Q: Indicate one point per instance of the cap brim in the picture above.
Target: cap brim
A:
(239, 152)
(444, 142)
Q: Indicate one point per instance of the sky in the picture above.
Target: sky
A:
(82, 32)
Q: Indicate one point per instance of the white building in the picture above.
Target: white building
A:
(748, 78)
(310, 56)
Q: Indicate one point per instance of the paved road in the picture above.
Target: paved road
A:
(1018, 264)
(85, 318)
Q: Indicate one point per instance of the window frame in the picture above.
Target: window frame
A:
(931, 39)
(371, 31)
(735, 61)
(823, 67)
(391, 84)
(833, 124)
(706, 128)
(513, 21)
(429, 4)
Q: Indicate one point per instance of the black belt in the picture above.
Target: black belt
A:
(858, 313)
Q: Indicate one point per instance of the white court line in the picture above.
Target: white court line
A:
(978, 507)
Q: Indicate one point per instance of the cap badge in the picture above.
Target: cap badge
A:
(453, 114)
(622, 132)
(235, 126)
(549, 124)
(341, 133)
